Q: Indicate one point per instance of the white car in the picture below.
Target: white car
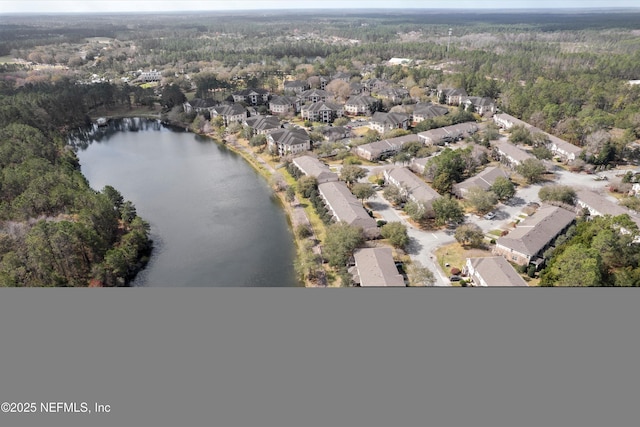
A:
(490, 215)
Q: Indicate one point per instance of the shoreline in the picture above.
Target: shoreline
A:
(255, 161)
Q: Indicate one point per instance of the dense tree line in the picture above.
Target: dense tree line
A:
(54, 229)
(599, 252)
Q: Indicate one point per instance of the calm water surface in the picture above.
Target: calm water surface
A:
(214, 220)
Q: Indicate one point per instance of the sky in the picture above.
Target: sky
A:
(61, 6)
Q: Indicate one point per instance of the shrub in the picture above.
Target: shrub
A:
(303, 231)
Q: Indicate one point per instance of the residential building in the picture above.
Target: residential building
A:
(150, 76)
(375, 85)
(400, 61)
(356, 88)
(284, 105)
(492, 271)
(262, 125)
(311, 166)
(362, 105)
(387, 147)
(448, 134)
(345, 207)
(296, 86)
(289, 141)
(345, 77)
(325, 112)
(559, 147)
(418, 165)
(452, 96)
(199, 105)
(393, 94)
(376, 267)
(314, 95)
(335, 133)
(527, 242)
(412, 186)
(506, 121)
(230, 113)
(252, 96)
(483, 106)
(484, 180)
(563, 149)
(324, 81)
(384, 122)
(422, 112)
(509, 154)
(599, 204)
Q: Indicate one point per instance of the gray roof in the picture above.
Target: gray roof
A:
(341, 75)
(419, 190)
(311, 166)
(564, 146)
(230, 110)
(503, 117)
(377, 148)
(283, 100)
(496, 271)
(536, 231)
(449, 132)
(314, 93)
(392, 119)
(322, 106)
(419, 163)
(484, 179)
(347, 208)
(290, 136)
(479, 101)
(600, 203)
(296, 84)
(362, 100)
(454, 92)
(376, 267)
(393, 92)
(512, 151)
(429, 110)
(370, 83)
(261, 123)
(561, 144)
(247, 92)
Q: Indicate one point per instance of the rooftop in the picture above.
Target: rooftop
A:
(376, 267)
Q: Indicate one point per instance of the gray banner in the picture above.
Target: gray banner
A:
(319, 357)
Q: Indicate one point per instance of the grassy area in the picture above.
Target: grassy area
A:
(122, 111)
(359, 131)
(456, 256)
(495, 233)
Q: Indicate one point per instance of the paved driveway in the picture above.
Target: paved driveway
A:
(422, 243)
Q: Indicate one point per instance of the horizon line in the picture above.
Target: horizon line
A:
(315, 9)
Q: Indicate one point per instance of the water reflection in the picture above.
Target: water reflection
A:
(214, 219)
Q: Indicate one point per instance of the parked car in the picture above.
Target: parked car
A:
(455, 278)
(490, 215)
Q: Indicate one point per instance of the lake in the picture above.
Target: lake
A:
(214, 220)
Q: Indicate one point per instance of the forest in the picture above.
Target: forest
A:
(569, 73)
(55, 230)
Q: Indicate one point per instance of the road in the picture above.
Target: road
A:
(422, 243)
